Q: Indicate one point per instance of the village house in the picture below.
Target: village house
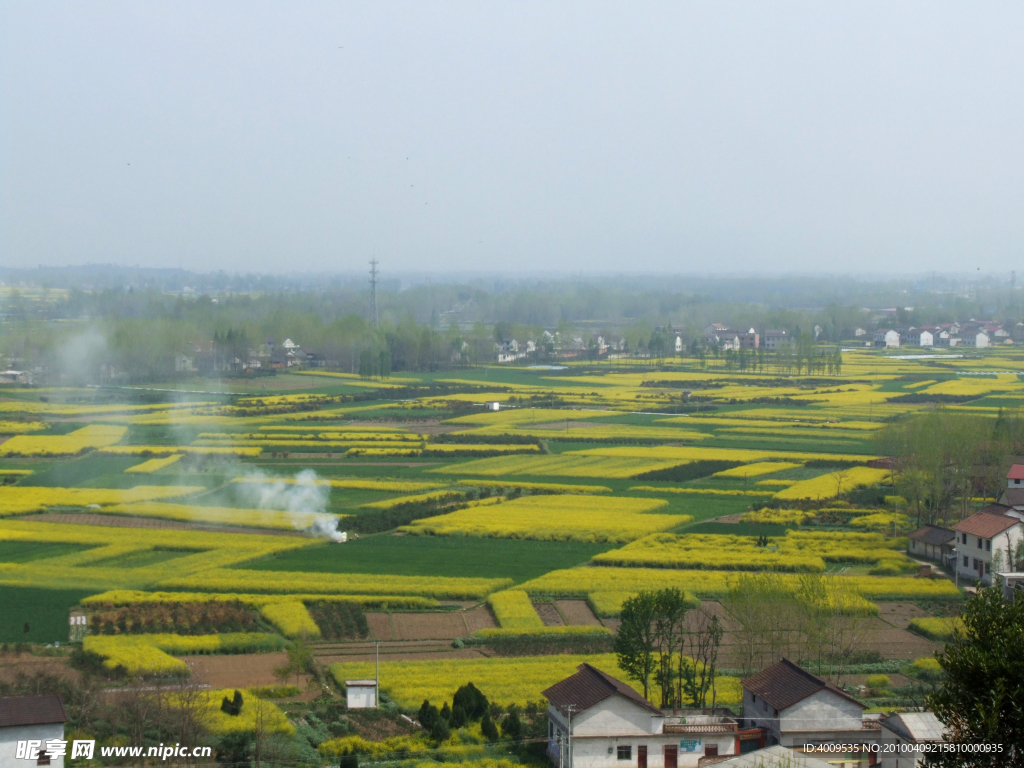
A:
(919, 337)
(38, 723)
(729, 338)
(773, 337)
(932, 542)
(907, 730)
(886, 337)
(1013, 496)
(983, 533)
(796, 708)
(596, 721)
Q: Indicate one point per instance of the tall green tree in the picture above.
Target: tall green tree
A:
(981, 700)
(636, 642)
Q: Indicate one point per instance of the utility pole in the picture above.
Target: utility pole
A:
(570, 709)
(376, 695)
(373, 290)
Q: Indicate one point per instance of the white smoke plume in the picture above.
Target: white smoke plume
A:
(303, 498)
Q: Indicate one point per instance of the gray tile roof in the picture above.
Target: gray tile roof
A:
(591, 686)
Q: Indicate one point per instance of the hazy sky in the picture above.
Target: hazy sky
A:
(571, 136)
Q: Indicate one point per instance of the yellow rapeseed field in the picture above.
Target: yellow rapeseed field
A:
(23, 499)
(93, 436)
(503, 680)
(151, 466)
(513, 610)
(715, 584)
(255, 518)
(553, 487)
(573, 464)
(22, 427)
(829, 485)
(133, 596)
(357, 484)
(756, 469)
(555, 518)
(292, 619)
(796, 551)
(292, 582)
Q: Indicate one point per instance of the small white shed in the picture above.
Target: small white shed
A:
(362, 694)
(494, 405)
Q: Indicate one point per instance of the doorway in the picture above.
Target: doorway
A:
(641, 756)
(671, 756)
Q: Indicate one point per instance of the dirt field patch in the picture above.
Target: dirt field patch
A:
(900, 614)
(549, 614)
(241, 671)
(577, 613)
(429, 626)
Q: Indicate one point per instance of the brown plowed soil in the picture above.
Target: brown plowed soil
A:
(463, 653)
(549, 614)
(380, 626)
(577, 613)
(900, 614)
(241, 671)
(479, 618)
(447, 626)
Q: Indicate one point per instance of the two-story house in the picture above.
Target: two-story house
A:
(886, 337)
(996, 528)
(596, 721)
(797, 709)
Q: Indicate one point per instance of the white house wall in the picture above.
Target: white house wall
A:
(11, 735)
(615, 716)
(603, 752)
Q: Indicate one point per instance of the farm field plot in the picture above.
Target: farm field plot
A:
(466, 524)
(554, 518)
(505, 681)
(434, 555)
(32, 615)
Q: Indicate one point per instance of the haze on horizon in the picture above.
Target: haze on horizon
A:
(876, 138)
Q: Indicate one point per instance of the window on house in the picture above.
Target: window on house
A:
(710, 750)
(965, 538)
(624, 752)
(43, 759)
(775, 713)
(965, 561)
(988, 545)
(979, 542)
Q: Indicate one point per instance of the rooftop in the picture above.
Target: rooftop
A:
(784, 684)
(31, 710)
(590, 686)
(1016, 472)
(916, 726)
(986, 524)
(933, 534)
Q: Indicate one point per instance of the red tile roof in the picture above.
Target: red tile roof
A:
(1016, 472)
(986, 524)
(591, 686)
(784, 684)
(31, 710)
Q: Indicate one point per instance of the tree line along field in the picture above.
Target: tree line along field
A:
(590, 483)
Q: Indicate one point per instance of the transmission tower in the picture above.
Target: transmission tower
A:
(373, 290)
